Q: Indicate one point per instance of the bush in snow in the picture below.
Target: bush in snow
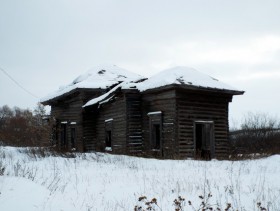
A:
(22, 127)
(259, 136)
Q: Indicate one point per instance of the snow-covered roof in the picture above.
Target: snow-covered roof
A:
(98, 77)
(177, 75)
(184, 76)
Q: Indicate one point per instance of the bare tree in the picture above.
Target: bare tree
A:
(260, 133)
(22, 127)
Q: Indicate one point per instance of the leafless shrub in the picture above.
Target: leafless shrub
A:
(259, 136)
(147, 204)
(22, 127)
(180, 205)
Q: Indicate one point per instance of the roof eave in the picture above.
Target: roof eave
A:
(59, 97)
(192, 87)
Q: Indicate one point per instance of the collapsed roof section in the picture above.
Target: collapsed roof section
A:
(107, 96)
(99, 77)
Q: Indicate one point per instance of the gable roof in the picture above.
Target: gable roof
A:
(99, 77)
(183, 76)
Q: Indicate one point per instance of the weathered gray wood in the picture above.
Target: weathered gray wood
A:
(68, 108)
(180, 106)
(202, 106)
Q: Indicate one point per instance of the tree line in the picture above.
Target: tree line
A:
(23, 127)
(259, 133)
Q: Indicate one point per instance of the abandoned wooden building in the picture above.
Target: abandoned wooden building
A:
(178, 113)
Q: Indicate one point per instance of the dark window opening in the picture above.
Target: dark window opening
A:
(73, 138)
(108, 134)
(204, 145)
(63, 135)
(108, 141)
(155, 126)
(156, 143)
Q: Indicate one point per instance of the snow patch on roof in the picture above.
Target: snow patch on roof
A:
(98, 77)
(184, 76)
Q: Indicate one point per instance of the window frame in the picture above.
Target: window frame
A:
(108, 129)
(155, 120)
(208, 144)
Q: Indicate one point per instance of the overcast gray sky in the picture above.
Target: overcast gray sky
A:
(46, 44)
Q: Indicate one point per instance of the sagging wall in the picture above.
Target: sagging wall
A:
(165, 102)
(202, 106)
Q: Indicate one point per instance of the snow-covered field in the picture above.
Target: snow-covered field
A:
(95, 181)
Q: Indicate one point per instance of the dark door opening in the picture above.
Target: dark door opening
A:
(204, 140)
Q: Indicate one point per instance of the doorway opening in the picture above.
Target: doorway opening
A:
(204, 140)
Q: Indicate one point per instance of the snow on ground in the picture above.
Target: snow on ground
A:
(96, 181)
(18, 193)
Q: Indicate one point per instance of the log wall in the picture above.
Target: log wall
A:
(131, 131)
(69, 109)
(134, 123)
(160, 101)
(115, 110)
(199, 106)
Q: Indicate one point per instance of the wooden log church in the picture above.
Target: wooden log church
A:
(178, 113)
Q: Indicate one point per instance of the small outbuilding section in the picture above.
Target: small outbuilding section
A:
(185, 114)
(178, 113)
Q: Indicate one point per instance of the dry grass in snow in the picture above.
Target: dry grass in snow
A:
(96, 181)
